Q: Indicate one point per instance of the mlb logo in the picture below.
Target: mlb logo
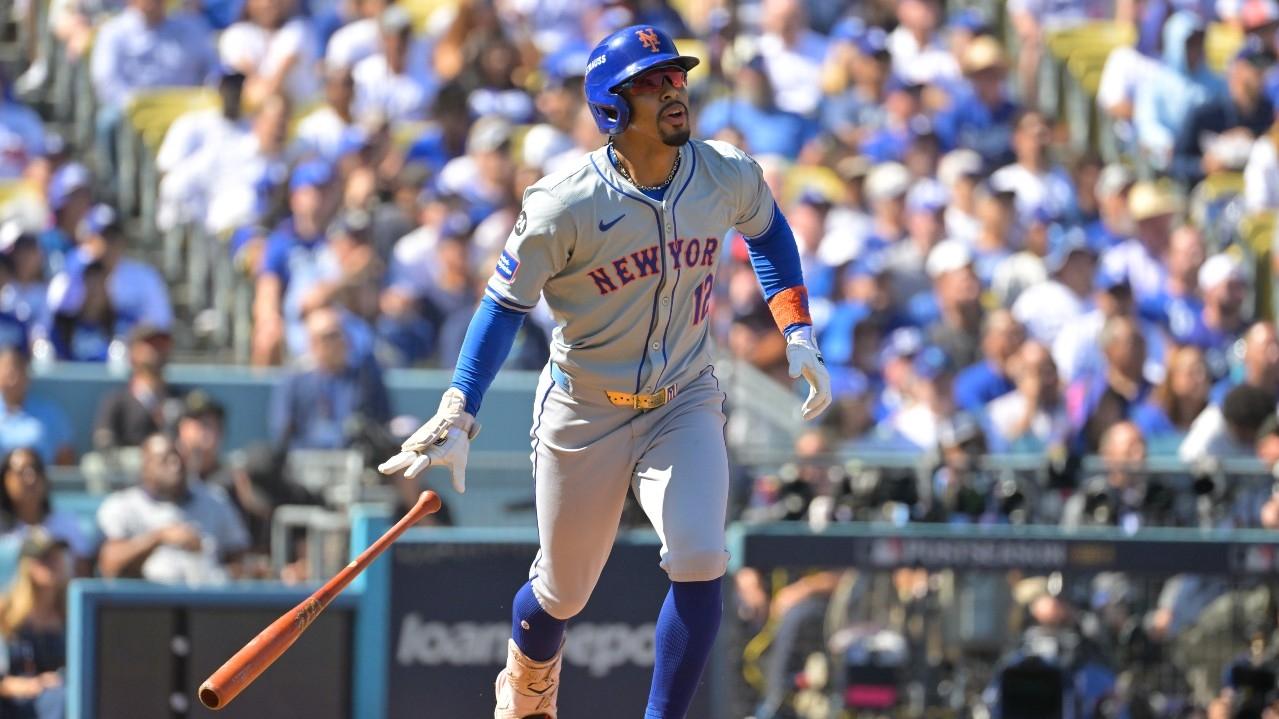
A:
(507, 266)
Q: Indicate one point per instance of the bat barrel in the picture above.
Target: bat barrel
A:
(253, 658)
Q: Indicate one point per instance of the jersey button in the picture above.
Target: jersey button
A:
(666, 300)
(656, 346)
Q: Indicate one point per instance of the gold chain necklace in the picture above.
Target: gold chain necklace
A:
(622, 169)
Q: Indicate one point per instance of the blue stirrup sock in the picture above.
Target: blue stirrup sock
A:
(535, 632)
(686, 630)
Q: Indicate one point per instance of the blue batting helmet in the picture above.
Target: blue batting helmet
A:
(620, 57)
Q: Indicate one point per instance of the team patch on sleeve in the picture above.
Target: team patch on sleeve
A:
(790, 307)
(507, 266)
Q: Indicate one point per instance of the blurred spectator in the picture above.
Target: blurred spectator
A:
(27, 421)
(261, 481)
(445, 138)
(140, 49)
(1048, 307)
(481, 178)
(1176, 306)
(221, 187)
(275, 50)
(959, 171)
(1037, 182)
(982, 382)
(1174, 404)
(1230, 429)
(290, 260)
(1215, 322)
(558, 101)
(981, 115)
(195, 131)
(958, 293)
(33, 624)
(961, 487)
(1260, 365)
(793, 55)
(138, 293)
(930, 401)
(1032, 418)
(491, 80)
(70, 197)
(1120, 497)
(902, 125)
(349, 275)
(475, 25)
(1005, 272)
(886, 188)
(1261, 173)
(146, 404)
(358, 37)
(25, 294)
(450, 301)
(1218, 135)
(22, 134)
(85, 332)
(320, 133)
(169, 529)
(1096, 402)
(25, 506)
(1114, 223)
(318, 407)
(857, 71)
(906, 258)
(385, 84)
(198, 436)
(751, 110)
(1142, 258)
(1167, 98)
(918, 51)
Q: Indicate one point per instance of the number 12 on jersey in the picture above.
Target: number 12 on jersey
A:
(702, 299)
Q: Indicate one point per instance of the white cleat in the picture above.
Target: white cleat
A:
(527, 689)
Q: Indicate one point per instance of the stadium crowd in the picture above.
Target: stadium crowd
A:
(980, 282)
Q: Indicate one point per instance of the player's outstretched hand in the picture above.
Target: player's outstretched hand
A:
(806, 359)
(443, 441)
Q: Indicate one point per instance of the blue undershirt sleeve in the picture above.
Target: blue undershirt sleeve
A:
(775, 256)
(488, 341)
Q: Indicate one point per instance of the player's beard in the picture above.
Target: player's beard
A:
(677, 138)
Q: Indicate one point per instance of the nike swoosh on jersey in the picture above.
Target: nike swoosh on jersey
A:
(604, 226)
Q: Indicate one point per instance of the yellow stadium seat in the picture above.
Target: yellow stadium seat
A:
(1063, 43)
(696, 48)
(1221, 42)
(422, 10)
(151, 113)
(808, 177)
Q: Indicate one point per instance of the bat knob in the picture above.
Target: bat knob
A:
(430, 502)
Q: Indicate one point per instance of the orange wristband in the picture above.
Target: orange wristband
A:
(790, 307)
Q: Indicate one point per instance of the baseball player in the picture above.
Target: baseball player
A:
(624, 248)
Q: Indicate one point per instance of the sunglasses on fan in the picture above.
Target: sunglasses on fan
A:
(654, 80)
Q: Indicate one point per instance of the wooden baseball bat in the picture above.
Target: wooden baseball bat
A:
(253, 658)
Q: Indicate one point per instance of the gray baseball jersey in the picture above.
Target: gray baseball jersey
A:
(629, 282)
(629, 279)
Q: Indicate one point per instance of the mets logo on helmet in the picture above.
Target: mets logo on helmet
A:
(649, 39)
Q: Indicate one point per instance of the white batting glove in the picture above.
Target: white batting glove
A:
(442, 442)
(806, 359)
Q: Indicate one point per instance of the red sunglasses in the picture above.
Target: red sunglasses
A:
(654, 80)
